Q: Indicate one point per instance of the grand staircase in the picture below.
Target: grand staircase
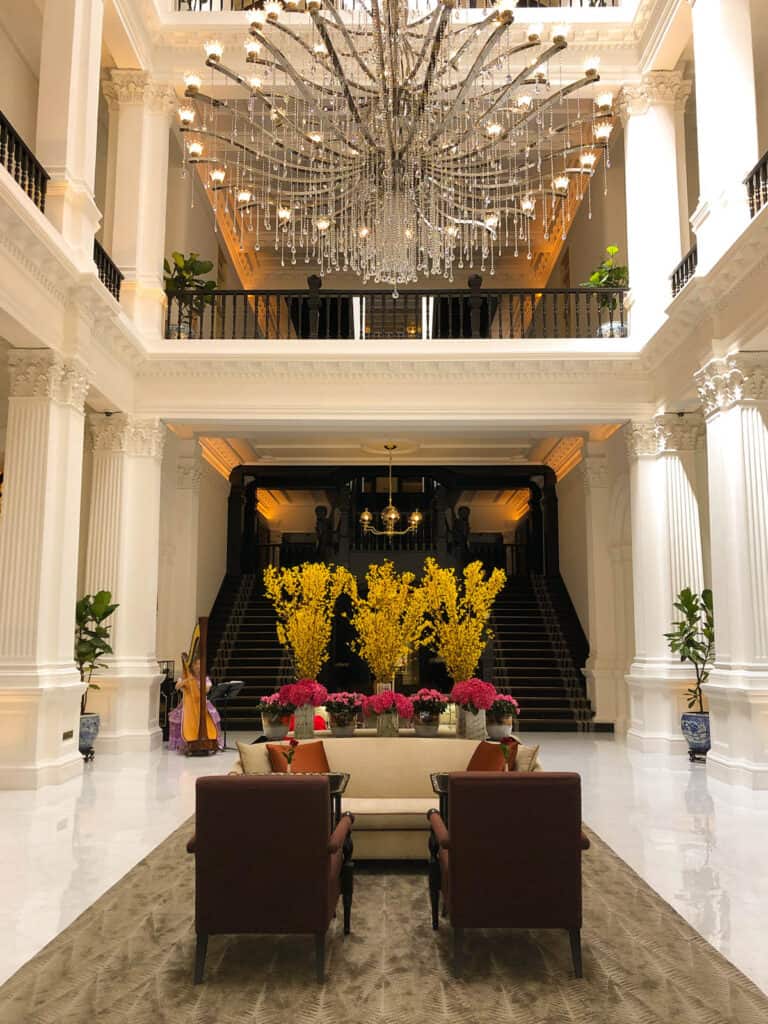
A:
(536, 658)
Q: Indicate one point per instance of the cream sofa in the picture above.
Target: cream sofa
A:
(389, 789)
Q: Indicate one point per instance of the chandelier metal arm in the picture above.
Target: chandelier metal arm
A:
(339, 24)
(383, 90)
(439, 35)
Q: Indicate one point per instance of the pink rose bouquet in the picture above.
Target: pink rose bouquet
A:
(504, 706)
(431, 702)
(344, 703)
(302, 693)
(274, 707)
(474, 695)
(388, 702)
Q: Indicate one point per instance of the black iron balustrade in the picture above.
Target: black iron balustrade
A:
(757, 186)
(214, 5)
(244, 5)
(21, 163)
(109, 275)
(475, 312)
(684, 270)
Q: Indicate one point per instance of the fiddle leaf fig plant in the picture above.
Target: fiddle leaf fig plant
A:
(693, 638)
(92, 637)
(608, 274)
(185, 282)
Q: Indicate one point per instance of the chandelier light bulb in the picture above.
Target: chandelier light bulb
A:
(528, 205)
(255, 82)
(290, 5)
(322, 223)
(186, 116)
(273, 9)
(591, 66)
(604, 102)
(244, 196)
(524, 102)
(414, 519)
(192, 83)
(560, 34)
(217, 175)
(315, 137)
(534, 33)
(195, 150)
(408, 233)
(602, 131)
(505, 11)
(452, 231)
(252, 50)
(213, 50)
(363, 232)
(561, 183)
(284, 214)
(320, 49)
(314, 5)
(493, 131)
(588, 161)
(257, 18)
(491, 221)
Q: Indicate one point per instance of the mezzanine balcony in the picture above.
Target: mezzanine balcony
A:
(213, 6)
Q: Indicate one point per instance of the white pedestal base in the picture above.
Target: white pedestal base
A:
(39, 734)
(128, 705)
(656, 703)
(739, 724)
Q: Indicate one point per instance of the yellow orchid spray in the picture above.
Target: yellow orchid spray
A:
(389, 621)
(458, 612)
(304, 598)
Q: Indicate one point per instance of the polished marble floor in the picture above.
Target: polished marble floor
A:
(700, 844)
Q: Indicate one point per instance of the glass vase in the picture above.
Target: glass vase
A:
(387, 724)
(304, 722)
(471, 725)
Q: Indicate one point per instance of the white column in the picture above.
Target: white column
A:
(40, 687)
(122, 557)
(601, 668)
(651, 112)
(184, 575)
(666, 556)
(67, 116)
(726, 122)
(734, 394)
(139, 125)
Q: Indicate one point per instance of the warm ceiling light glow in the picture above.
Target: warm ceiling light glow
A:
(559, 34)
(192, 82)
(534, 33)
(561, 183)
(195, 150)
(213, 50)
(493, 131)
(186, 116)
(252, 49)
(217, 175)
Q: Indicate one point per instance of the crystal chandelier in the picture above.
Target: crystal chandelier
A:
(390, 516)
(393, 138)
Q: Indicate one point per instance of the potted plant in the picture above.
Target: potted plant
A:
(693, 638)
(303, 696)
(184, 283)
(343, 709)
(609, 274)
(91, 644)
(474, 698)
(501, 716)
(275, 715)
(388, 707)
(428, 705)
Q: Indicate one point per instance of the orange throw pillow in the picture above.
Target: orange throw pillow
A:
(489, 758)
(309, 757)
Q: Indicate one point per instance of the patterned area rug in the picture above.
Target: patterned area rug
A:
(128, 960)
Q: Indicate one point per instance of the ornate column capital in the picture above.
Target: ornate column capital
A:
(189, 471)
(655, 87)
(643, 438)
(126, 435)
(594, 472)
(42, 373)
(123, 88)
(680, 432)
(729, 381)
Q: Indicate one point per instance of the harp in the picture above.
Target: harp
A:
(197, 727)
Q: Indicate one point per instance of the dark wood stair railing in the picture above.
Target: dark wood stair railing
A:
(22, 164)
(757, 186)
(685, 270)
(109, 275)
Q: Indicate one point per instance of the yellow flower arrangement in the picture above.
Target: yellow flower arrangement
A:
(389, 621)
(458, 613)
(304, 598)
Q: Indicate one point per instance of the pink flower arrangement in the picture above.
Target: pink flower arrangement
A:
(504, 706)
(273, 707)
(388, 702)
(344, 702)
(431, 701)
(474, 695)
(302, 693)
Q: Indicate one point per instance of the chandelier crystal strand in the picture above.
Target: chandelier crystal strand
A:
(395, 138)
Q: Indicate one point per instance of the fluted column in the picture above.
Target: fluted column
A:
(67, 116)
(734, 395)
(726, 122)
(140, 112)
(666, 556)
(40, 687)
(122, 557)
(189, 471)
(652, 116)
(603, 679)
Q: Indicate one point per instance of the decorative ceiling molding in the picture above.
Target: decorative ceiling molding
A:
(220, 455)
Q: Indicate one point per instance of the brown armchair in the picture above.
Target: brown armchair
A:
(507, 825)
(264, 862)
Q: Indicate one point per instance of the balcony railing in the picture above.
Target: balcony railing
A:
(684, 270)
(757, 185)
(109, 275)
(431, 314)
(244, 5)
(21, 163)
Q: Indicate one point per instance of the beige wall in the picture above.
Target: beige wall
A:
(212, 545)
(573, 542)
(18, 87)
(760, 50)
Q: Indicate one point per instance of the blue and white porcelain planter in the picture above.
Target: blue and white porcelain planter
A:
(695, 726)
(89, 730)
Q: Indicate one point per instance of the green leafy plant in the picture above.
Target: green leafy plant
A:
(92, 637)
(693, 638)
(608, 274)
(184, 282)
